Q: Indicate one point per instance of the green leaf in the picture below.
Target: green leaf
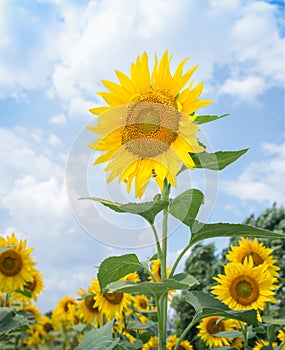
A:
(207, 305)
(202, 231)
(217, 160)
(201, 119)
(229, 334)
(136, 324)
(177, 282)
(26, 292)
(11, 321)
(185, 207)
(271, 320)
(116, 267)
(147, 210)
(99, 339)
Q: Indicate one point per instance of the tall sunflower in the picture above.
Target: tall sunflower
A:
(244, 286)
(259, 253)
(147, 129)
(209, 326)
(16, 264)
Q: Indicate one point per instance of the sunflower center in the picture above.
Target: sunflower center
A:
(149, 128)
(244, 290)
(113, 298)
(89, 302)
(158, 97)
(143, 304)
(31, 285)
(214, 327)
(257, 259)
(67, 305)
(48, 327)
(11, 263)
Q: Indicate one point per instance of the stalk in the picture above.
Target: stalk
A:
(162, 302)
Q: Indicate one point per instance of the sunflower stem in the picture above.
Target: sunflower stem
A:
(162, 305)
(158, 247)
(245, 336)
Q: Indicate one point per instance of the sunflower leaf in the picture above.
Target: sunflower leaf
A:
(207, 305)
(147, 210)
(185, 207)
(202, 119)
(26, 292)
(10, 321)
(99, 339)
(116, 267)
(216, 161)
(202, 231)
(177, 282)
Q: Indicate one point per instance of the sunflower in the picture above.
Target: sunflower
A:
(46, 325)
(260, 344)
(64, 313)
(113, 304)
(244, 286)
(172, 341)
(36, 287)
(16, 264)
(259, 253)
(86, 309)
(147, 129)
(141, 303)
(151, 344)
(35, 312)
(209, 326)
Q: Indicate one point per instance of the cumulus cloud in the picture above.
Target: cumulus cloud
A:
(58, 119)
(78, 44)
(262, 181)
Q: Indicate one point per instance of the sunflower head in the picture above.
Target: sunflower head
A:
(209, 326)
(147, 130)
(257, 251)
(16, 264)
(245, 287)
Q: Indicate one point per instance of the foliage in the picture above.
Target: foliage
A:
(204, 263)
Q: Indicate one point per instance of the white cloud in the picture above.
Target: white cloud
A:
(54, 141)
(58, 119)
(78, 44)
(262, 181)
(247, 89)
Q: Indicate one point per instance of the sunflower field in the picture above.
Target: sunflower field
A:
(147, 132)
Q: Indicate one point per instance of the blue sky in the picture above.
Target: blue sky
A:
(53, 55)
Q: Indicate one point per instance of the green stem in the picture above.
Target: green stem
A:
(180, 256)
(162, 302)
(245, 337)
(183, 335)
(159, 251)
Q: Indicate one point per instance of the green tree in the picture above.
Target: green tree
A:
(204, 263)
